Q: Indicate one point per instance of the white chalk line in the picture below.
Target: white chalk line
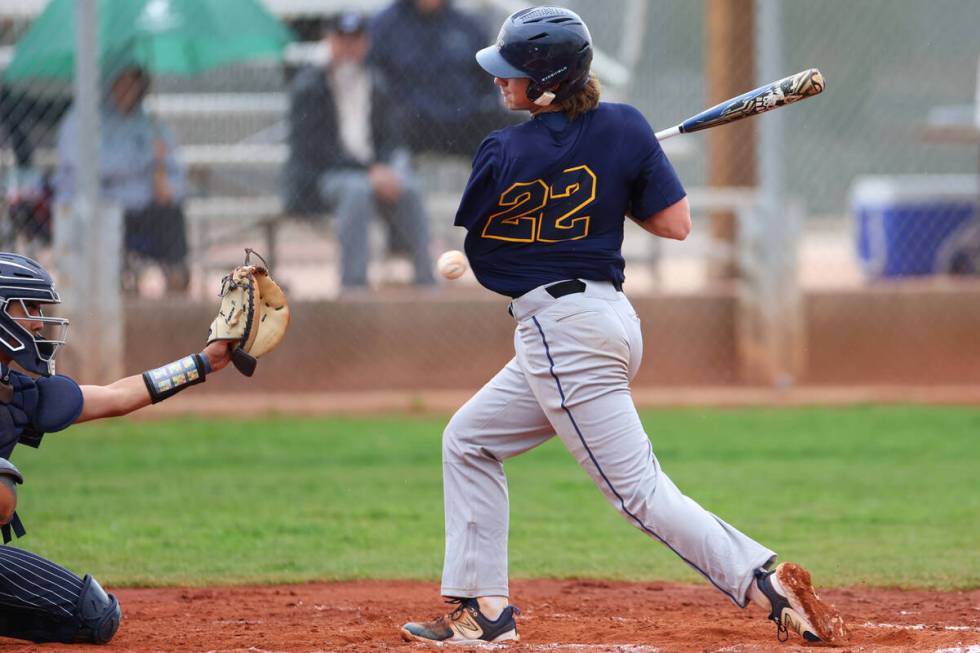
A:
(869, 624)
(618, 648)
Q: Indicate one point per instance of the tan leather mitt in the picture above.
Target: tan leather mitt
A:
(254, 311)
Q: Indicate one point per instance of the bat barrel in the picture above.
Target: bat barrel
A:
(765, 98)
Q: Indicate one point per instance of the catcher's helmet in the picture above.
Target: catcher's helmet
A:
(24, 281)
(549, 45)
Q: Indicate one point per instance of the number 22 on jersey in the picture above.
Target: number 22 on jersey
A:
(533, 211)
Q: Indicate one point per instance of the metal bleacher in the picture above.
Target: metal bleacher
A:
(231, 126)
(235, 174)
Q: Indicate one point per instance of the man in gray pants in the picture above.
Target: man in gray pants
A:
(345, 155)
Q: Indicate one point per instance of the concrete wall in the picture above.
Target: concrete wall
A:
(921, 334)
(894, 335)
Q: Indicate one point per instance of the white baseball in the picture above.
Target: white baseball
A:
(452, 264)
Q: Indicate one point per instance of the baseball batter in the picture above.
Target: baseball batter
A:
(41, 601)
(544, 210)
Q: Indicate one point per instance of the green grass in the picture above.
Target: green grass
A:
(876, 495)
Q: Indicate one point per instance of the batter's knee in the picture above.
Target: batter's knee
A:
(456, 441)
(451, 442)
(98, 612)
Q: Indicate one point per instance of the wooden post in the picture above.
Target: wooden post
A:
(730, 57)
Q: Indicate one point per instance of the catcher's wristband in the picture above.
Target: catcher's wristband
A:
(167, 380)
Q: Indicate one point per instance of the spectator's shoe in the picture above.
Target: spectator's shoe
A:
(464, 625)
(796, 607)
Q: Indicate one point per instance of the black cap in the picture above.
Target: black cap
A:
(349, 23)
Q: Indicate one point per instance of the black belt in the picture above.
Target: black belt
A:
(573, 286)
(563, 288)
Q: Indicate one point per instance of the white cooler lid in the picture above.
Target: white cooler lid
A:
(898, 189)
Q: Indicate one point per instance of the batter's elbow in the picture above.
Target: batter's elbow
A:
(674, 222)
(682, 229)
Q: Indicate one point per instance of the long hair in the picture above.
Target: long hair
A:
(584, 101)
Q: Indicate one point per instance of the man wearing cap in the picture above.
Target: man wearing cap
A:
(346, 155)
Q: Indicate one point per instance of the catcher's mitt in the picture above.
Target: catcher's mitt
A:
(253, 311)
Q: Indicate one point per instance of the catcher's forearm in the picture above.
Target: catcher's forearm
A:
(135, 392)
(167, 380)
(119, 398)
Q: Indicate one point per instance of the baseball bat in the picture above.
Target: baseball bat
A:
(765, 98)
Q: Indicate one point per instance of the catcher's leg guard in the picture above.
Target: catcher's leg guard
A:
(99, 613)
(95, 620)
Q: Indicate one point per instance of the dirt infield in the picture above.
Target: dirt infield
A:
(558, 616)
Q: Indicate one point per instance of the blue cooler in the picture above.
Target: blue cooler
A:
(913, 224)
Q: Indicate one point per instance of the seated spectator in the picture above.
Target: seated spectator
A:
(425, 49)
(139, 170)
(25, 120)
(345, 155)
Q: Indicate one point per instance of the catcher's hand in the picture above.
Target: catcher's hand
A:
(253, 311)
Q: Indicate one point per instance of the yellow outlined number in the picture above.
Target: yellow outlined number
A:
(535, 212)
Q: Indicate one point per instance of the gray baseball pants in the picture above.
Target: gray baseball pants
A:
(575, 358)
(350, 192)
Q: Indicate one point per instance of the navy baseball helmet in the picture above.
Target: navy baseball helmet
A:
(24, 283)
(550, 45)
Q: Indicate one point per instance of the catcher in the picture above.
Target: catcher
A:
(41, 601)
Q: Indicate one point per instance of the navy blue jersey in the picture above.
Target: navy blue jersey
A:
(31, 407)
(546, 199)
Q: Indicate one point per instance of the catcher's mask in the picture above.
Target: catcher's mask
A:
(28, 286)
(550, 45)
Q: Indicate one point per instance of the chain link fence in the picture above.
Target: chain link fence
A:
(865, 191)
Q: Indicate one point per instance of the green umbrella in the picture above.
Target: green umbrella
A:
(179, 37)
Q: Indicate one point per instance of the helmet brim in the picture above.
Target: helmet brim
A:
(491, 61)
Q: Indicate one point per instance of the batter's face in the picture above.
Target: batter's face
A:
(514, 93)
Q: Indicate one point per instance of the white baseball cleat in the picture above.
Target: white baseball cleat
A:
(465, 624)
(796, 607)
